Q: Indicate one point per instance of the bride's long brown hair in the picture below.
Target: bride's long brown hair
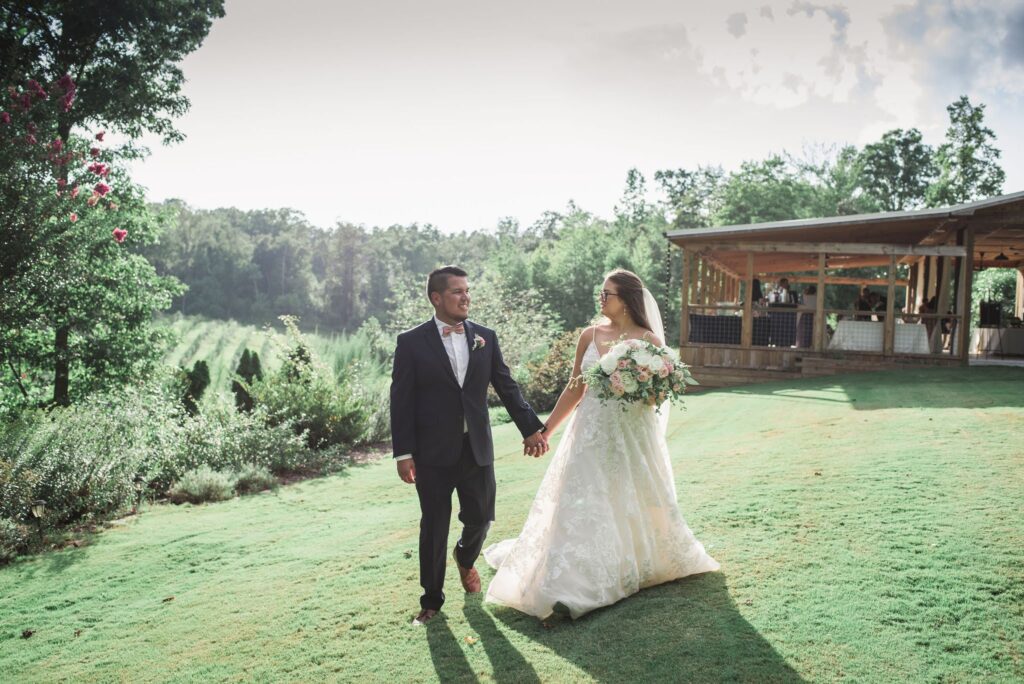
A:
(631, 292)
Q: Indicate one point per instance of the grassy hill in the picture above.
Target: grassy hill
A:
(869, 528)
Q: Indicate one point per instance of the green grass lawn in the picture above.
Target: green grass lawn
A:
(869, 527)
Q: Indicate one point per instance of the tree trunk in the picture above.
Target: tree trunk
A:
(62, 367)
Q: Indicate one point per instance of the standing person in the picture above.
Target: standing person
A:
(605, 522)
(441, 431)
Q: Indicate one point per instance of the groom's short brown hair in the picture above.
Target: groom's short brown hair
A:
(437, 281)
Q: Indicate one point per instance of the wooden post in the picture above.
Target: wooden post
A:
(889, 329)
(684, 318)
(931, 286)
(747, 334)
(819, 307)
(705, 282)
(943, 303)
(1018, 298)
(963, 300)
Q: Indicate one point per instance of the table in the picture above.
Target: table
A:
(910, 338)
(998, 340)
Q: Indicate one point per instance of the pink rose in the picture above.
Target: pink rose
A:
(120, 234)
(623, 363)
(73, 217)
(664, 372)
(643, 376)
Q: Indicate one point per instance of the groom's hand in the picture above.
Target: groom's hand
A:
(407, 470)
(535, 445)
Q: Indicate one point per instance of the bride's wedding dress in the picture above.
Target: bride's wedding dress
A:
(605, 522)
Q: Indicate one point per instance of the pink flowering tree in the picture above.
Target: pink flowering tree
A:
(68, 267)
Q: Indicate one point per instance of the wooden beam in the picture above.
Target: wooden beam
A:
(719, 263)
(844, 280)
(747, 332)
(819, 306)
(889, 329)
(832, 248)
(684, 318)
(963, 300)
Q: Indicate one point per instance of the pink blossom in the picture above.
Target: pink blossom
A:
(31, 128)
(99, 136)
(66, 82)
(74, 192)
(623, 363)
(68, 100)
(102, 189)
(26, 101)
(112, 206)
(643, 376)
(99, 168)
(5, 117)
(663, 373)
(120, 234)
(676, 388)
(57, 145)
(31, 139)
(95, 152)
(73, 217)
(61, 183)
(34, 86)
(94, 199)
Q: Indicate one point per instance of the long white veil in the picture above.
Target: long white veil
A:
(658, 328)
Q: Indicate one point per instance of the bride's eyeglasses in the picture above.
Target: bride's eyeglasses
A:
(605, 294)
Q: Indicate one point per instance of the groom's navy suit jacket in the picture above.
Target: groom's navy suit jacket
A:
(428, 407)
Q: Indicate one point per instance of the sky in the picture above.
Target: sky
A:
(460, 113)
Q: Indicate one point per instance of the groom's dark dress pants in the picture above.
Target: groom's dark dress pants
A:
(475, 486)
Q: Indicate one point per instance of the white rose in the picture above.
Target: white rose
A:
(619, 350)
(609, 363)
(644, 358)
(656, 364)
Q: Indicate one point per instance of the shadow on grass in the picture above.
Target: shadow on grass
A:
(977, 387)
(449, 661)
(689, 630)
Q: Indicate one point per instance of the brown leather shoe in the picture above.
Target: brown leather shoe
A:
(470, 578)
(425, 615)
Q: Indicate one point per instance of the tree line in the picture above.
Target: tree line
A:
(255, 265)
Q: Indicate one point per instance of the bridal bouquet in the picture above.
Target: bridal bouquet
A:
(637, 371)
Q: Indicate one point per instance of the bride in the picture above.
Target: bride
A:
(605, 522)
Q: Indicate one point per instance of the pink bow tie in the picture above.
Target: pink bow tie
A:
(449, 329)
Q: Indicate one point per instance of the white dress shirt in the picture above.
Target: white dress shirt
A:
(458, 356)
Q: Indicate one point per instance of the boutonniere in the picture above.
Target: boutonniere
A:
(478, 342)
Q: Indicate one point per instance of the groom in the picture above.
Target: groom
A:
(441, 432)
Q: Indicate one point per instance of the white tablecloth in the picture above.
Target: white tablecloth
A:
(998, 341)
(911, 338)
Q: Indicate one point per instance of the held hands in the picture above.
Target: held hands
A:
(536, 445)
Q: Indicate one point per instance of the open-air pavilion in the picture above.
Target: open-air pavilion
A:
(922, 262)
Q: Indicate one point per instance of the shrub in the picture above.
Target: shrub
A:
(13, 539)
(252, 478)
(201, 485)
(549, 375)
(303, 394)
(499, 415)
